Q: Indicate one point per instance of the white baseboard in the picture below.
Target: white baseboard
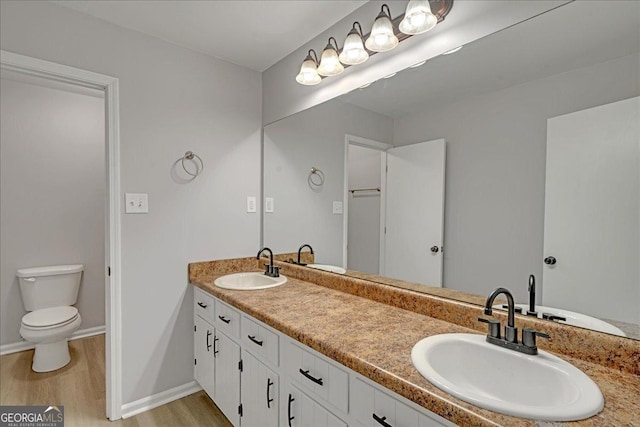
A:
(159, 399)
(26, 345)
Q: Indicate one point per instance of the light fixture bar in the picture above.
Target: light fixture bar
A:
(440, 8)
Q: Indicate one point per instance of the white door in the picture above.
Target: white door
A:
(259, 393)
(592, 216)
(204, 362)
(227, 386)
(415, 213)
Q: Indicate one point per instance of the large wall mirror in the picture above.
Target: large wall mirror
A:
(518, 155)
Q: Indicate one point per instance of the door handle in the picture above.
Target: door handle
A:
(435, 249)
(208, 335)
(291, 399)
(269, 399)
(215, 347)
(550, 260)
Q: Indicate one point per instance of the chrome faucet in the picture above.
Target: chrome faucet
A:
(510, 340)
(269, 269)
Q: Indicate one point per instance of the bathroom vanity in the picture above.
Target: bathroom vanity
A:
(325, 349)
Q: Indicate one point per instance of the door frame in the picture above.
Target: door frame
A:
(374, 145)
(113, 316)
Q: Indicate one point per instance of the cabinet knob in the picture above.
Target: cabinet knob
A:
(435, 249)
(550, 260)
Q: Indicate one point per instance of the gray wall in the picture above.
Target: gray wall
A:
(52, 197)
(291, 147)
(495, 172)
(171, 100)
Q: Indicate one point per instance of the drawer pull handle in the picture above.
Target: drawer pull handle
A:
(381, 421)
(224, 319)
(269, 399)
(202, 305)
(208, 344)
(215, 347)
(253, 338)
(291, 399)
(310, 377)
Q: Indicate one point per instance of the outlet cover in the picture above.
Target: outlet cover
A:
(268, 204)
(251, 204)
(136, 203)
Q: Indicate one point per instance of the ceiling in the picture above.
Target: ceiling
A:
(572, 36)
(251, 33)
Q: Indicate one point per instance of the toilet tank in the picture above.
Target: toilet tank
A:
(52, 286)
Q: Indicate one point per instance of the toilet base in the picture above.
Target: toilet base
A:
(51, 356)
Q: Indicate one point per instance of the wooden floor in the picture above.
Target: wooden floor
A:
(80, 387)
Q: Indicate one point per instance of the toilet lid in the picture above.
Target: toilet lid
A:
(49, 316)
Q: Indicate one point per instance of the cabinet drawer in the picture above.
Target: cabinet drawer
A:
(259, 340)
(227, 319)
(318, 375)
(203, 305)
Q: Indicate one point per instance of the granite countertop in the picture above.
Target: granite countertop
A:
(375, 340)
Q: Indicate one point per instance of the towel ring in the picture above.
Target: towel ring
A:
(319, 177)
(189, 155)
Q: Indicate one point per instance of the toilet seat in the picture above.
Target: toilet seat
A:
(48, 318)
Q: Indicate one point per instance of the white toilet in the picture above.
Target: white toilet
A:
(48, 293)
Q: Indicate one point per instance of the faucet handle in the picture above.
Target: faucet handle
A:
(275, 271)
(529, 337)
(267, 270)
(494, 327)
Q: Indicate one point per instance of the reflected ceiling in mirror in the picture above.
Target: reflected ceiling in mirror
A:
(491, 102)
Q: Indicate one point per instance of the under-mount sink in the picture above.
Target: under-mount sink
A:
(572, 318)
(327, 267)
(540, 387)
(249, 281)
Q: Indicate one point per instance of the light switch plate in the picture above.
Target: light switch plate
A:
(251, 204)
(337, 208)
(136, 203)
(268, 204)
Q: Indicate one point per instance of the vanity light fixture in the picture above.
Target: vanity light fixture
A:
(329, 63)
(418, 18)
(308, 74)
(382, 37)
(353, 52)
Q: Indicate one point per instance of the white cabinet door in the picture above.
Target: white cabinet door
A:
(204, 369)
(302, 411)
(415, 178)
(227, 385)
(259, 386)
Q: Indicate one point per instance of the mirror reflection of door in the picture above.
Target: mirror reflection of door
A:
(592, 212)
(395, 211)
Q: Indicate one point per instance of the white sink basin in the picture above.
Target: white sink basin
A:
(540, 387)
(327, 267)
(248, 281)
(573, 318)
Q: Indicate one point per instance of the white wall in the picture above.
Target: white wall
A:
(363, 253)
(291, 147)
(171, 100)
(495, 174)
(52, 197)
(468, 21)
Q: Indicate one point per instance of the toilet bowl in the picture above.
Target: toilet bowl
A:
(49, 294)
(49, 329)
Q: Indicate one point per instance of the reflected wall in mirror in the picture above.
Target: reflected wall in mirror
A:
(500, 104)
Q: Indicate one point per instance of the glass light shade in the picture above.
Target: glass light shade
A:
(382, 37)
(329, 63)
(418, 18)
(353, 52)
(308, 74)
